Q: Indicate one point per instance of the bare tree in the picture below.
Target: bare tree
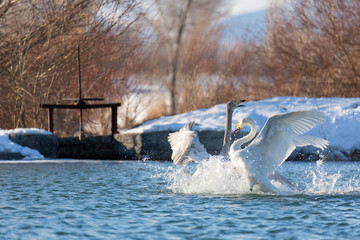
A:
(312, 48)
(38, 48)
(5, 6)
(176, 19)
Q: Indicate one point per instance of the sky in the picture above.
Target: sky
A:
(248, 6)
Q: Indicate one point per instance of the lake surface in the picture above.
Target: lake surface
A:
(156, 200)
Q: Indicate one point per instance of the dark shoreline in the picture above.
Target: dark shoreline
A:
(138, 146)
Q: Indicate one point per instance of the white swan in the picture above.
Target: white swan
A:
(281, 134)
(185, 144)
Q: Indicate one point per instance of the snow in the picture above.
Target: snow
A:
(342, 128)
(7, 146)
(24, 131)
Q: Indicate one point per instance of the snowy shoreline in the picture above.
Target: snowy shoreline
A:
(342, 128)
(9, 148)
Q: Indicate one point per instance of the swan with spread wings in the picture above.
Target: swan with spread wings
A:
(186, 147)
(185, 144)
(279, 137)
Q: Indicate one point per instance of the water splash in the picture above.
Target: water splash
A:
(212, 176)
(218, 176)
(324, 183)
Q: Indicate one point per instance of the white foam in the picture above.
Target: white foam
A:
(325, 183)
(212, 176)
(217, 176)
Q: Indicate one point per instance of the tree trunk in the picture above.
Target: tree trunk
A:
(174, 63)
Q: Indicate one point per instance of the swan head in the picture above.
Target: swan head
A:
(235, 104)
(242, 122)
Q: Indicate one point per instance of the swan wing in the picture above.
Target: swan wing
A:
(185, 146)
(306, 140)
(281, 134)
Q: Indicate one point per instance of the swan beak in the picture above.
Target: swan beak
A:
(237, 130)
(239, 103)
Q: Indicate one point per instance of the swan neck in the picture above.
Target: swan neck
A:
(227, 135)
(238, 143)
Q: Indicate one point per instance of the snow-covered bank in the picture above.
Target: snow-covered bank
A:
(342, 128)
(9, 148)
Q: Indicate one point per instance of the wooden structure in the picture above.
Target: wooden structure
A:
(81, 104)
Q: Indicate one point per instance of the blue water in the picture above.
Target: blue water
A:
(155, 200)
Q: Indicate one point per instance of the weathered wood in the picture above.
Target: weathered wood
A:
(80, 106)
(79, 72)
(83, 99)
(113, 121)
(50, 120)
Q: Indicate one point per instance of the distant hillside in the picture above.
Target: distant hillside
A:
(250, 25)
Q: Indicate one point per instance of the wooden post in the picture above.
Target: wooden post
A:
(82, 135)
(113, 121)
(50, 120)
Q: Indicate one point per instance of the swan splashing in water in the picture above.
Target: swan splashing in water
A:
(279, 137)
(186, 147)
(185, 144)
(258, 162)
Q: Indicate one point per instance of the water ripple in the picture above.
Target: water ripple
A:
(154, 200)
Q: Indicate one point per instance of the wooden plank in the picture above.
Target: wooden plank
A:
(81, 106)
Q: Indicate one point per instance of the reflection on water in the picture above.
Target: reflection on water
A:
(156, 200)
